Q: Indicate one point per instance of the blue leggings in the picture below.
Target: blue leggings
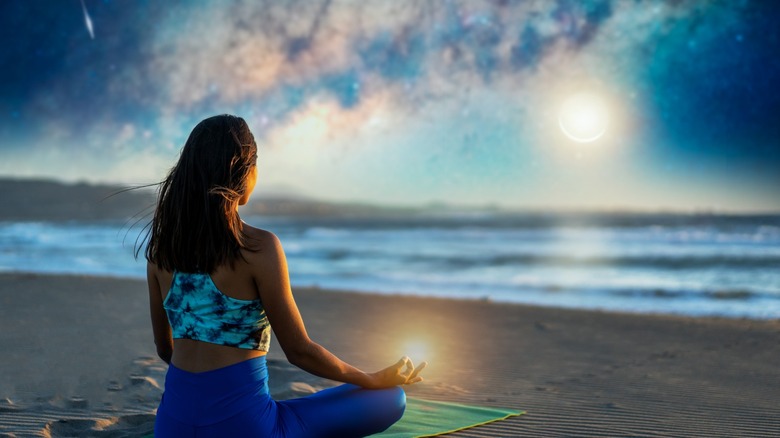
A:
(234, 401)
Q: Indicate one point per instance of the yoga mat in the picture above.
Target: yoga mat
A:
(424, 418)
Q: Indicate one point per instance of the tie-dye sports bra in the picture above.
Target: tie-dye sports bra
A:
(198, 310)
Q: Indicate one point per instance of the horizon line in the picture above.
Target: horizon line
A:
(431, 205)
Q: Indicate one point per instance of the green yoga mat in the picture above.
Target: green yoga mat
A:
(424, 418)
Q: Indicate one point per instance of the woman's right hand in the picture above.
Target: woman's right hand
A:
(402, 372)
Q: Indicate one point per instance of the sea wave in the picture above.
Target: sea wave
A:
(670, 263)
(757, 261)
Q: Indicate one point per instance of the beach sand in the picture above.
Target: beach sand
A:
(78, 359)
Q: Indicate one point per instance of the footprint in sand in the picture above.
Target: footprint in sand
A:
(6, 405)
(77, 403)
(114, 386)
(124, 426)
(143, 382)
(146, 361)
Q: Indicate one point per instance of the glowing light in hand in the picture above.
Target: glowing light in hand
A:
(583, 117)
(416, 350)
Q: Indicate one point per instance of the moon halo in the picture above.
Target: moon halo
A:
(583, 117)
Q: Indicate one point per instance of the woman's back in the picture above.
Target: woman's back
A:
(239, 282)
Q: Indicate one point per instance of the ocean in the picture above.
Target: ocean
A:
(696, 265)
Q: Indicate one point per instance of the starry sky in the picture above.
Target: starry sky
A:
(407, 102)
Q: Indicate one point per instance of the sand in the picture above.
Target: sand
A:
(78, 360)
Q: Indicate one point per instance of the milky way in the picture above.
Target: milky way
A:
(450, 100)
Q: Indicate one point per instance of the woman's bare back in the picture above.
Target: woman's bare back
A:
(239, 282)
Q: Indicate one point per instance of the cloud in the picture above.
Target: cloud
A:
(263, 50)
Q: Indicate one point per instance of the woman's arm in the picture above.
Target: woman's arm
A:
(160, 326)
(272, 280)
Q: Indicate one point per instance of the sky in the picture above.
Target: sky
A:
(409, 102)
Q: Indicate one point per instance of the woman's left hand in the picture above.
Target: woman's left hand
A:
(402, 372)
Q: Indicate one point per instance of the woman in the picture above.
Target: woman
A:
(217, 286)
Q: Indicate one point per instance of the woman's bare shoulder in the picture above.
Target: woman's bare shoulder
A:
(264, 256)
(262, 243)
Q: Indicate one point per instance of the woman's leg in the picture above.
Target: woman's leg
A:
(166, 426)
(229, 401)
(342, 411)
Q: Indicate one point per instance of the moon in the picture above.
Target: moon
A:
(583, 117)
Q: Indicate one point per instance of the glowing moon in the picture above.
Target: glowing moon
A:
(583, 117)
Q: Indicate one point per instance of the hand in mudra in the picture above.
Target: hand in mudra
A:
(402, 372)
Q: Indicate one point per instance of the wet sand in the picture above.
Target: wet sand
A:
(78, 360)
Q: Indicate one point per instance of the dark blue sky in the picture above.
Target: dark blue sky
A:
(407, 102)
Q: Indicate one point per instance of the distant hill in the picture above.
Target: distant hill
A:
(47, 200)
(30, 199)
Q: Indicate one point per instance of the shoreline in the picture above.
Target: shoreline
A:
(79, 348)
(483, 299)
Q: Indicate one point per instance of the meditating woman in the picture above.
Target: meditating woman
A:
(216, 287)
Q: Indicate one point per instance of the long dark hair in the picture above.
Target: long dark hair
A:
(196, 227)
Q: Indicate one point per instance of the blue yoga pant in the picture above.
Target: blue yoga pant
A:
(234, 401)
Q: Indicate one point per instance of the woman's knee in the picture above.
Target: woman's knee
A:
(381, 408)
(396, 401)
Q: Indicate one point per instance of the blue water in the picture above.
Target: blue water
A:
(692, 265)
